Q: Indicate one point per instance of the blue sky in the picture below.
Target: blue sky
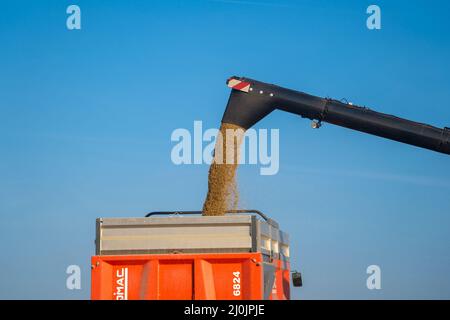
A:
(86, 119)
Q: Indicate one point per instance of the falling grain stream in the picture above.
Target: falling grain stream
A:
(223, 193)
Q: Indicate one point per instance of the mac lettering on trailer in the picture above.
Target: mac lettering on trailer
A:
(121, 284)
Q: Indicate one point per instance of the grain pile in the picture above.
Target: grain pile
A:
(223, 194)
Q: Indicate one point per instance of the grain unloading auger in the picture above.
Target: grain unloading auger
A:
(242, 255)
(252, 100)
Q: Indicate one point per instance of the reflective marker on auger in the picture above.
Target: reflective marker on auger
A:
(239, 85)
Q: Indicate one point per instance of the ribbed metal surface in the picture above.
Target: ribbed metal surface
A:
(233, 233)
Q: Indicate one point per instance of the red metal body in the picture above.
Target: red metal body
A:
(222, 276)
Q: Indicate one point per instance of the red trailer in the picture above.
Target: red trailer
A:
(230, 257)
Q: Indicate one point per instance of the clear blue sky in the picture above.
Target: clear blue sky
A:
(86, 119)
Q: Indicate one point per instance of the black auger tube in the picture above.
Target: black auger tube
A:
(247, 108)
